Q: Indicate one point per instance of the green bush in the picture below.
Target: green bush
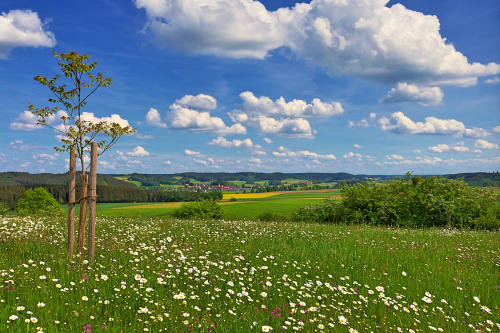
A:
(271, 217)
(205, 209)
(38, 202)
(411, 202)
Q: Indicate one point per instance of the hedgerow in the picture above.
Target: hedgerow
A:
(410, 202)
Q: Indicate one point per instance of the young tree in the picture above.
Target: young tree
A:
(78, 129)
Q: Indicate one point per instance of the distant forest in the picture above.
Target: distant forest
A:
(10, 194)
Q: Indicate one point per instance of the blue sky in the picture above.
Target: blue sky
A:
(375, 87)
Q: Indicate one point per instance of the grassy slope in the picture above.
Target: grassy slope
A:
(333, 269)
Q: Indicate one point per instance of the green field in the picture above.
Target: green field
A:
(284, 204)
(125, 179)
(162, 275)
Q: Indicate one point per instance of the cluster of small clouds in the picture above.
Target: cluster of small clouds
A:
(285, 152)
(193, 113)
(443, 148)
(23, 28)
(437, 161)
(202, 159)
(279, 117)
(256, 149)
(367, 39)
(353, 156)
(28, 121)
(364, 122)
(282, 118)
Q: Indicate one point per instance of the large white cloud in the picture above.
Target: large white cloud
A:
(359, 37)
(22, 28)
(405, 92)
(401, 124)
(285, 152)
(231, 28)
(200, 101)
(181, 117)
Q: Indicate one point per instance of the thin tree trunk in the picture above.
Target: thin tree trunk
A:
(71, 202)
(83, 212)
(92, 203)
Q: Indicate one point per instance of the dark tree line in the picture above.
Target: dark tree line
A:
(9, 195)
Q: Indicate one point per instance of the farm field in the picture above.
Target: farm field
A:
(164, 275)
(247, 206)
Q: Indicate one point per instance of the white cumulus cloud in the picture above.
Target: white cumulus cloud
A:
(255, 160)
(442, 148)
(296, 108)
(483, 144)
(231, 28)
(153, 118)
(181, 117)
(364, 122)
(405, 92)
(113, 119)
(293, 128)
(23, 28)
(138, 152)
(401, 124)
(393, 157)
(363, 38)
(192, 153)
(223, 142)
(494, 80)
(200, 101)
(27, 121)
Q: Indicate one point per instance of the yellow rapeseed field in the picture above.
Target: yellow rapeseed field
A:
(227, 196)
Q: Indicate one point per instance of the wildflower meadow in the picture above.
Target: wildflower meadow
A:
(165, 275)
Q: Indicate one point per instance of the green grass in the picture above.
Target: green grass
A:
(229, 276)
(237, 182)
(283, 204)
(126, 179)
(294, 181)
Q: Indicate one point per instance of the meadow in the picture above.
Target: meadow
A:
(165, 275)
(246, 206)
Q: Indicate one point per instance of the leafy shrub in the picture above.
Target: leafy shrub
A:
(411, 202)
(271, 217)
(38, 202)
(205, 209)
(233, 199)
